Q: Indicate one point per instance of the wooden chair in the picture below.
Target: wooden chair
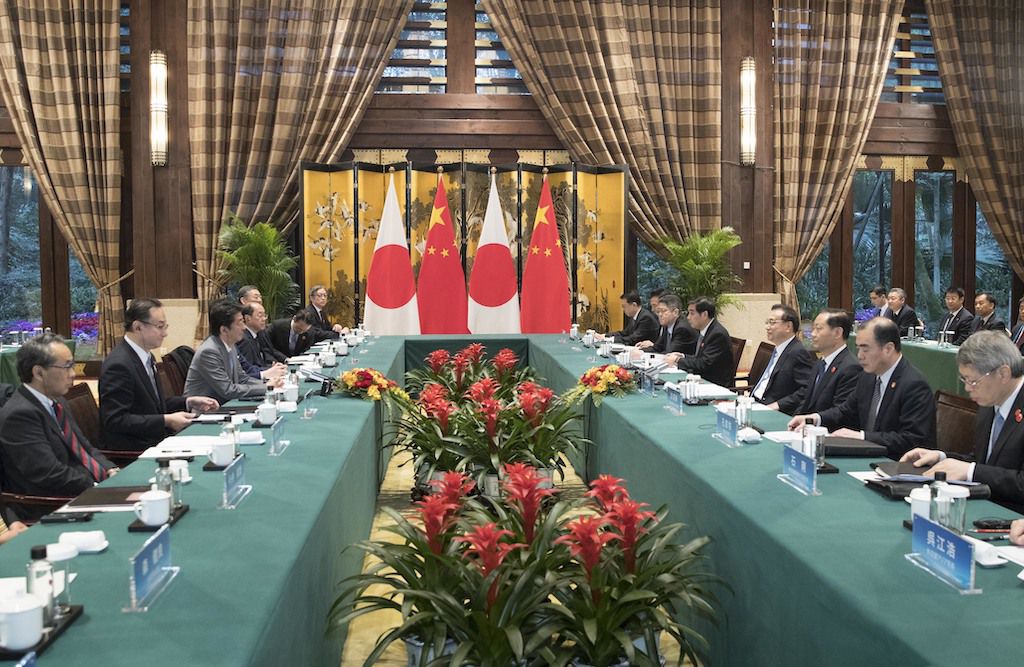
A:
(176, 366)
(164, 378)
(87, 416)
(738, 344)
(757, 367)
(954, 416)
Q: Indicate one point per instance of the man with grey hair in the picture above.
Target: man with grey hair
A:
(992, 371)
(42, 450)
(317, 309)
(899, 312)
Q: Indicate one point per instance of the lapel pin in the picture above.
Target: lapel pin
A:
(832, 370)
(892, 385)
(1017, 416)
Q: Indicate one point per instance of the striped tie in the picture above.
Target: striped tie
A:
(92, 465)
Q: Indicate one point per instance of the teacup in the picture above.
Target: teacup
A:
(328, 359)
(21, 621)
(266, 413)
(222, 452)
(291, 392)
(179, 470)
(154, 507)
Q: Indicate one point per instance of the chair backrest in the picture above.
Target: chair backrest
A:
(176, 368)
(738, 344)
(954, 416)
(86, 412)
(167, 386)
(760, 363)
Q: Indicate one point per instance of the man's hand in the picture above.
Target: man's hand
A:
(201, 403)
(922, 457)
(644, 344)
(849, 433)
(176, 421)
(276, 383)
(340, 329)
(956, 470)
(672, 358)
(278, 370)
(797, 422)
(1017, 532)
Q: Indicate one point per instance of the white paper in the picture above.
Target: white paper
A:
(210, 418)
(713, 391)
(671, 371)
(783, 437)
(302, 359)
(863, 475)
(1012, 552)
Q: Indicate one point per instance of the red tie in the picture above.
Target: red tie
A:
(92, 465)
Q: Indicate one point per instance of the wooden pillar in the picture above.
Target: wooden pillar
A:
(54, 274)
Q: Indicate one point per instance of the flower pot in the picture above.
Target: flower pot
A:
(548, 475)
(640, 643)
(492, 486)
(414, 650)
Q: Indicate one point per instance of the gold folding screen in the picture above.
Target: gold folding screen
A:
(342, 205)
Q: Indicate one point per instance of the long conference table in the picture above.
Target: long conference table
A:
(811, 580)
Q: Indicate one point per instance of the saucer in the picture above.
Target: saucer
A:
(96, 549)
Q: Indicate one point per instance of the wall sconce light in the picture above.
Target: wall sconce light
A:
(26, 182)
(158, 107)
(748, 111)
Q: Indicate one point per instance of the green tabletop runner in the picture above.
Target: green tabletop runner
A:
(814, 581)
(936, 364)
(8, 369)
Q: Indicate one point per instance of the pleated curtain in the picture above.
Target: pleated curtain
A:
(630, 82)
(980, 49)
(273, 83)
(830, 63)
(59, 79)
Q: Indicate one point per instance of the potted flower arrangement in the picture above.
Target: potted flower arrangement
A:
(601, 381)
(593, 581)
(367, 383)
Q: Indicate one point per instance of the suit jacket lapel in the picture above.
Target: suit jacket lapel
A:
(890, 391)
(1010, 426)
(48, 417)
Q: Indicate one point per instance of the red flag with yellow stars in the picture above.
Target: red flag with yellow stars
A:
(544, 297)
(441, 288)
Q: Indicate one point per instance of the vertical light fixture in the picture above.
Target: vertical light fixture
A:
(158, 107)
(26, 181)
(748, 111)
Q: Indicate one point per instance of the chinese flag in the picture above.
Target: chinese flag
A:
(441, 289)
(545, 291)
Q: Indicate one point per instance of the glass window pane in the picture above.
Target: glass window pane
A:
(812, 289)
(872, 234)
(653, 272)
(84, 318)
(933, 252)
(20, 308)
(992, 271)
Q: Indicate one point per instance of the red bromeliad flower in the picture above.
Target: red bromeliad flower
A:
(483, 389)
(436, 512)
(490, 409)
(534, 401)
(607, 490)
(453, 486)
(522, 490)
(461, 362)
(431, 392)
(504, 361)
(438, 359)
(441, 409)
(627, 519)
(488, 551)
(586, 539)
(474, 352)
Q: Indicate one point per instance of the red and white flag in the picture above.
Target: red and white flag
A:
(441, 289)
(390, 286)
(493, 298)
(545, 300)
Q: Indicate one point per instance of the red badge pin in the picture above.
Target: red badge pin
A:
(1017, 416)
(832, 370)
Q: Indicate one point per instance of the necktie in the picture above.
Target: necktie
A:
(92, 465)
(997, 426)
(762, 382)
(1016, 337)
(817, 376)
(293, 338)
(700, 342)
(876, 398)
(151, 368)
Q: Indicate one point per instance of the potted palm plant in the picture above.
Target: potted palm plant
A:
(258, 255)
(703, 266)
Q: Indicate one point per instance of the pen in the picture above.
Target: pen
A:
(1005, 531)
(992, 538)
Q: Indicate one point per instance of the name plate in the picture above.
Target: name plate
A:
(673, 398)
(799, 471)
(235, 488)
(944, 554)
(277, 440)
(152, 571)
(647, 383)
(727, 426)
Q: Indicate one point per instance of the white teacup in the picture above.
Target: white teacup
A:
(222, 452)
(328, 359)
(21, 621)
(154, 507)
(920, 499)
(266, 413)
(351, 339)
(179, 470)
(291, 392)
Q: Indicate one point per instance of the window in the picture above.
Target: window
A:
(991, 270)
(495, 73)
(812, 289)
(933, 252)
(913, 74)
(21, 306)
(85, 321)
(419, 63)
(653, 272)
(872, 234)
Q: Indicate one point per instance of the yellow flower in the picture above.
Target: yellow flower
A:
(601, 387)
(373, 392)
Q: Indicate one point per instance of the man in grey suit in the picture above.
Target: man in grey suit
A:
(215, 370)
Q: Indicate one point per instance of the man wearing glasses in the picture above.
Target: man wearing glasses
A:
(992, 371)
(42, 450)
(892, 404)
(134, 412)
(784, 380)
(318, 316)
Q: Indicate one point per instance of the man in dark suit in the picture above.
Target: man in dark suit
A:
(712, 359)
(675, 334)
(835, 375)
(899, 312)
(134, 413)
(255, 346)
(878, 296)
(642, 325)
(782, 384)
(957, 322)
(323, 329)
(1018, 331)
(985, 318)
(892, 404)
(992, 371)
(42, 450)
(292, 336)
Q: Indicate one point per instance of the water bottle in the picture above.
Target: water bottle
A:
(938, 507)
(165, 481)
(228, 432)
(39, 581)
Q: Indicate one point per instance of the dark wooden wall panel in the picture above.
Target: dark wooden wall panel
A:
(911, 129)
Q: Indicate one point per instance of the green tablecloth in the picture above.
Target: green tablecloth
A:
(936, 364)
(8, 369)
(814, 581)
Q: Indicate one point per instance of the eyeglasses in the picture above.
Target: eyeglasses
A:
(162, 326)
(66, 366)
(974, 383)
(771, 321)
